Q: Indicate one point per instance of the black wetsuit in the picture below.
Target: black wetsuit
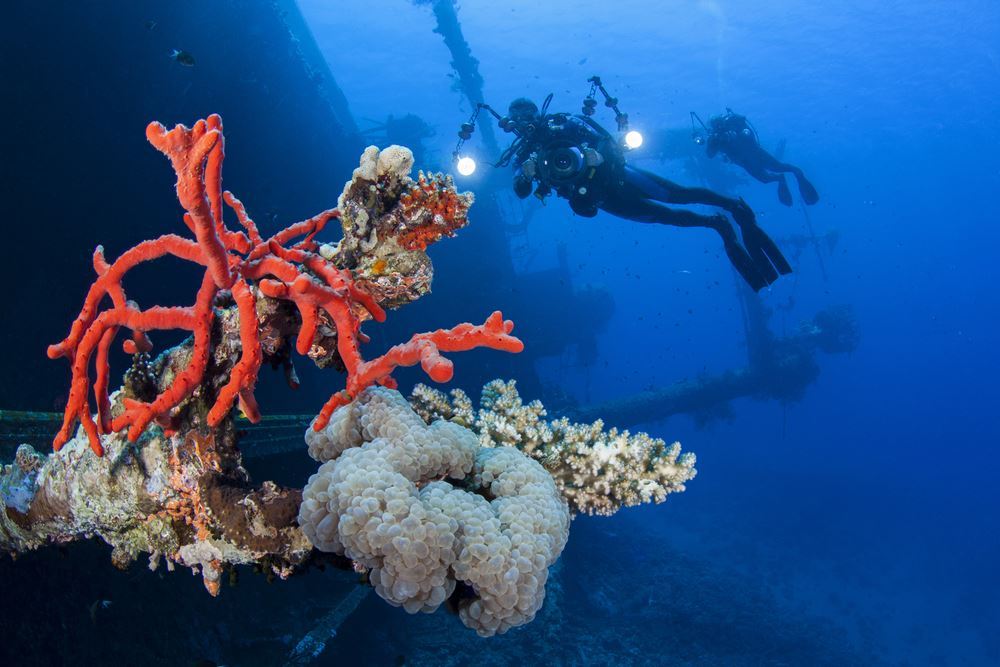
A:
(607, 182)
(733, 136)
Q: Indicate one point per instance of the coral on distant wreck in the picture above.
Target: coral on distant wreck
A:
(597, 471)
(243, 267)
(424, 507)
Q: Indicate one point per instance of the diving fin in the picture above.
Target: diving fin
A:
(784, 194)
(743, 214)
(806, 189)
(765, 253)
(760, 259)
(746, 266)
(759, 245)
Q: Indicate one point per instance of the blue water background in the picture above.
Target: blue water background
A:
(879, 487)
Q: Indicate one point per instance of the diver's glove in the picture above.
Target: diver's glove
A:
(592, 158)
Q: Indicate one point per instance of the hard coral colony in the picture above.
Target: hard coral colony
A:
(434, 500)
(250, 268)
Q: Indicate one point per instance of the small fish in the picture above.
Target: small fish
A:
(684, 271)
(182, 58)
(95, 607)
(150, 25)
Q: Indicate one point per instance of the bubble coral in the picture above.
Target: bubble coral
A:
(424, 507)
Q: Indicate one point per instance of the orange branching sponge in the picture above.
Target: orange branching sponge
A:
(425, 349)
(246, 265)
(433, 210)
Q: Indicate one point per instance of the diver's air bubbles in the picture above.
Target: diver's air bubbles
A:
(633, 139)
(466, 166)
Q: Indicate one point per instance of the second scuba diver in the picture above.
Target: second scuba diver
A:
(732, 135)
(580, 161)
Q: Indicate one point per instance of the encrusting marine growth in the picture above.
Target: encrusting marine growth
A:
(435, 500)
(247, 266)
(173, 484)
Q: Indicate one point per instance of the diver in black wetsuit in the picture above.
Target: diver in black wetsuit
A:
(582, 162)
(734, 137)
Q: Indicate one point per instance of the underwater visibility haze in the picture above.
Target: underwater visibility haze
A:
(435, 333)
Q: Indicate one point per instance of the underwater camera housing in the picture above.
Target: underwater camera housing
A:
(563, 164)
(560, 164)
(557, 164)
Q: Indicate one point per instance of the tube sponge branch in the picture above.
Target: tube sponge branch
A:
(243, 268)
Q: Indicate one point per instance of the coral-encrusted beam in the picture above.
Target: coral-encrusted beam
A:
(246, 265)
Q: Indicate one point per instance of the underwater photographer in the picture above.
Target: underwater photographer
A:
(574, 157)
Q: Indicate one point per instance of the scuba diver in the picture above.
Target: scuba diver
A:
(732, 135)
(580, 161)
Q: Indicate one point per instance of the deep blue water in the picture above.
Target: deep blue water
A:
(855, 526)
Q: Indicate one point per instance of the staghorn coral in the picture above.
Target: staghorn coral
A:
(597, 471)
(388, 221)
(424, 507)
(243, 267)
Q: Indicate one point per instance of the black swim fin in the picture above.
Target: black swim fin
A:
(806, 189)
(765, 253)
(764, 267)
(746, 266)
(784, 194)
(743, 214)
(769, 260)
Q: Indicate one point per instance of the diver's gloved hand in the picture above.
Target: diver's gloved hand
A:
(743, 214)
